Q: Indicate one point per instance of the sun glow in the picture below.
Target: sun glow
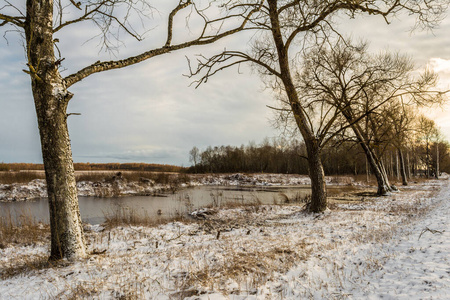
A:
(441, 115)
(442, 68)
(440, 65)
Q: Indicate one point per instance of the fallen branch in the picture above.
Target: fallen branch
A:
(430, 230)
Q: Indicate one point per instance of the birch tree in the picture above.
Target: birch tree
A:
(42, 24)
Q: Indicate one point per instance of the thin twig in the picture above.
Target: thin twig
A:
(430, 230)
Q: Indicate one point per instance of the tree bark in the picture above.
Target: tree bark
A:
(377, 170)
(374, 162)
(383, 170)
(408, 165)
(367, 169)
(397, 167)
(428, 159)
(51, 99)
(402, 167)
(316, 174)
(437, 161)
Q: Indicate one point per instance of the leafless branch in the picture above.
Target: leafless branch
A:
(76, 4)
(18, 21)
(202, 39)
(213, 65)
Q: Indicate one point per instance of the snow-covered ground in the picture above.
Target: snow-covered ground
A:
(263, 179)
(393, 247)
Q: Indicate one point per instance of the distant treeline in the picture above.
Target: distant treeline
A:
(275, 156)
(282, 156)
(97, 167)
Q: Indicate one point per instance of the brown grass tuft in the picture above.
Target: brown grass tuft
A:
(22, 229)
(28, 263)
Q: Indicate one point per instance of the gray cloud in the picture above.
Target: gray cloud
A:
(148, 112)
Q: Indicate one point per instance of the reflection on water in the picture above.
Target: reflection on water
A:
(93, 209)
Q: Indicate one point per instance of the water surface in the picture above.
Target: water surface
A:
(93, 209)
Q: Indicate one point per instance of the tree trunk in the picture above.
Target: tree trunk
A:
(319, 195)
(51, 99)
(316, 174)
(437, 161)
(383, 171)
(408, 164)
(367, 170)
(378, 170)
(375, 164)
(402, 167)
(428, 160)
(397, 167)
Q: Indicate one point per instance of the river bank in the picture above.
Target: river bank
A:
(116, 184)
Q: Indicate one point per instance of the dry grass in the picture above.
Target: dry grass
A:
(120, 216)
(297, 198)
(29, 263)
(144, 176)
(20, 177)
(251, 267)
(9, 177)
(21, 229)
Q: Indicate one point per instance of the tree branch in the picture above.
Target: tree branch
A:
(76, 4)
(17, 21)
(84, 17)
(211, 65)
(203, 39)
(171, 16)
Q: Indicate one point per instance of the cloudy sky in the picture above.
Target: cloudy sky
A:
(148, 112)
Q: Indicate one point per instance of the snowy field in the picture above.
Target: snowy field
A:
(394, 247)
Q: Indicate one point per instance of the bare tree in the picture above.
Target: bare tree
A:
(37, 22)
(362, 87)
(401, 120)
(284, 27)
(194, 156)
(439, 153)
(427, 132)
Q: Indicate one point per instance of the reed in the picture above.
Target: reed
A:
(20, 176)
(21, 228)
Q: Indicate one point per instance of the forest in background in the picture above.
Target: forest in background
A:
(279, 155)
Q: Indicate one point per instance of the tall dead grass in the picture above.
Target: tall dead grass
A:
(27, 263)
(20, 177)
(250, 268)
(21, 228)
(9, 177)
(156, 177)
(120, 216)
